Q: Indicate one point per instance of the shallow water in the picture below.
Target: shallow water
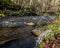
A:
(25, 39)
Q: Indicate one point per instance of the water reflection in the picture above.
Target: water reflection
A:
(28, 42)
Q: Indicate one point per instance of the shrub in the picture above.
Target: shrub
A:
(2, 15)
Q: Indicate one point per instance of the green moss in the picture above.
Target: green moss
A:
(41, 45)
(57, 32)
(54, 28)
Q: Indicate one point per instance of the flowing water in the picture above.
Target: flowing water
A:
(25, 39)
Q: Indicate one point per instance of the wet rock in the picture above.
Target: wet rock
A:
(37, 31)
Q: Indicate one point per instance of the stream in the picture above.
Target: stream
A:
(25, 39)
